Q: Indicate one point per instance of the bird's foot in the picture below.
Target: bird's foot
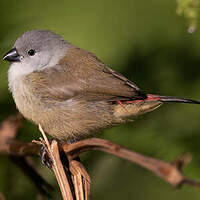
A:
(45, 158)
(73, 140)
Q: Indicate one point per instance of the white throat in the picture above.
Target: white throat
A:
(16, 73)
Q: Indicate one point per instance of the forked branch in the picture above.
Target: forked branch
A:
(170, 172)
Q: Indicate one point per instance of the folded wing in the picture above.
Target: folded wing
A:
(80, 73)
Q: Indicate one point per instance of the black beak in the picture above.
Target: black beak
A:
(12, 56)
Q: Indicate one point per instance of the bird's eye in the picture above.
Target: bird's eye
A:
(31, 52)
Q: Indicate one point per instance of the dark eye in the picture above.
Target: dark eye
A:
(31, 52)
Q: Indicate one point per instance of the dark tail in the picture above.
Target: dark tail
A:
(171, 99)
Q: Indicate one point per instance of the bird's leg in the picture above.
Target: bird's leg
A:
(45, 158)
(72, 140)
(47, 161)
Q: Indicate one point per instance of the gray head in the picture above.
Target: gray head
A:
(37, 49)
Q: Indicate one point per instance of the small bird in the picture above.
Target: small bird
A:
(69, 91)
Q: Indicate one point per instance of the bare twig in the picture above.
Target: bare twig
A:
(170, 172)
(8, 143)
(8, 132)
(57, 166)
(81, 180)
(167, 171)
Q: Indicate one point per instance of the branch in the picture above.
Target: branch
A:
(81, 180)
(170, 172)
(57, 166)
(8, 143)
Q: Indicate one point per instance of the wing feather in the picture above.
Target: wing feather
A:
(80, 73)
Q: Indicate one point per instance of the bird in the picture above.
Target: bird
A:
(69, 91)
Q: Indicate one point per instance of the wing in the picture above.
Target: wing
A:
(80, 73)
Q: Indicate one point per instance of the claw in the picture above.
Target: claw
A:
(46, 160)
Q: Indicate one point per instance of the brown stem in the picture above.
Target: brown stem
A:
(16, 149)
(57, 166)
(167, 171)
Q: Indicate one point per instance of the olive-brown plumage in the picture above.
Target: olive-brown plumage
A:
(69, 91)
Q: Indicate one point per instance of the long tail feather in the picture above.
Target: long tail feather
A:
(172, 99)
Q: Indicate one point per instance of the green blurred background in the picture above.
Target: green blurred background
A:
(149, 43)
